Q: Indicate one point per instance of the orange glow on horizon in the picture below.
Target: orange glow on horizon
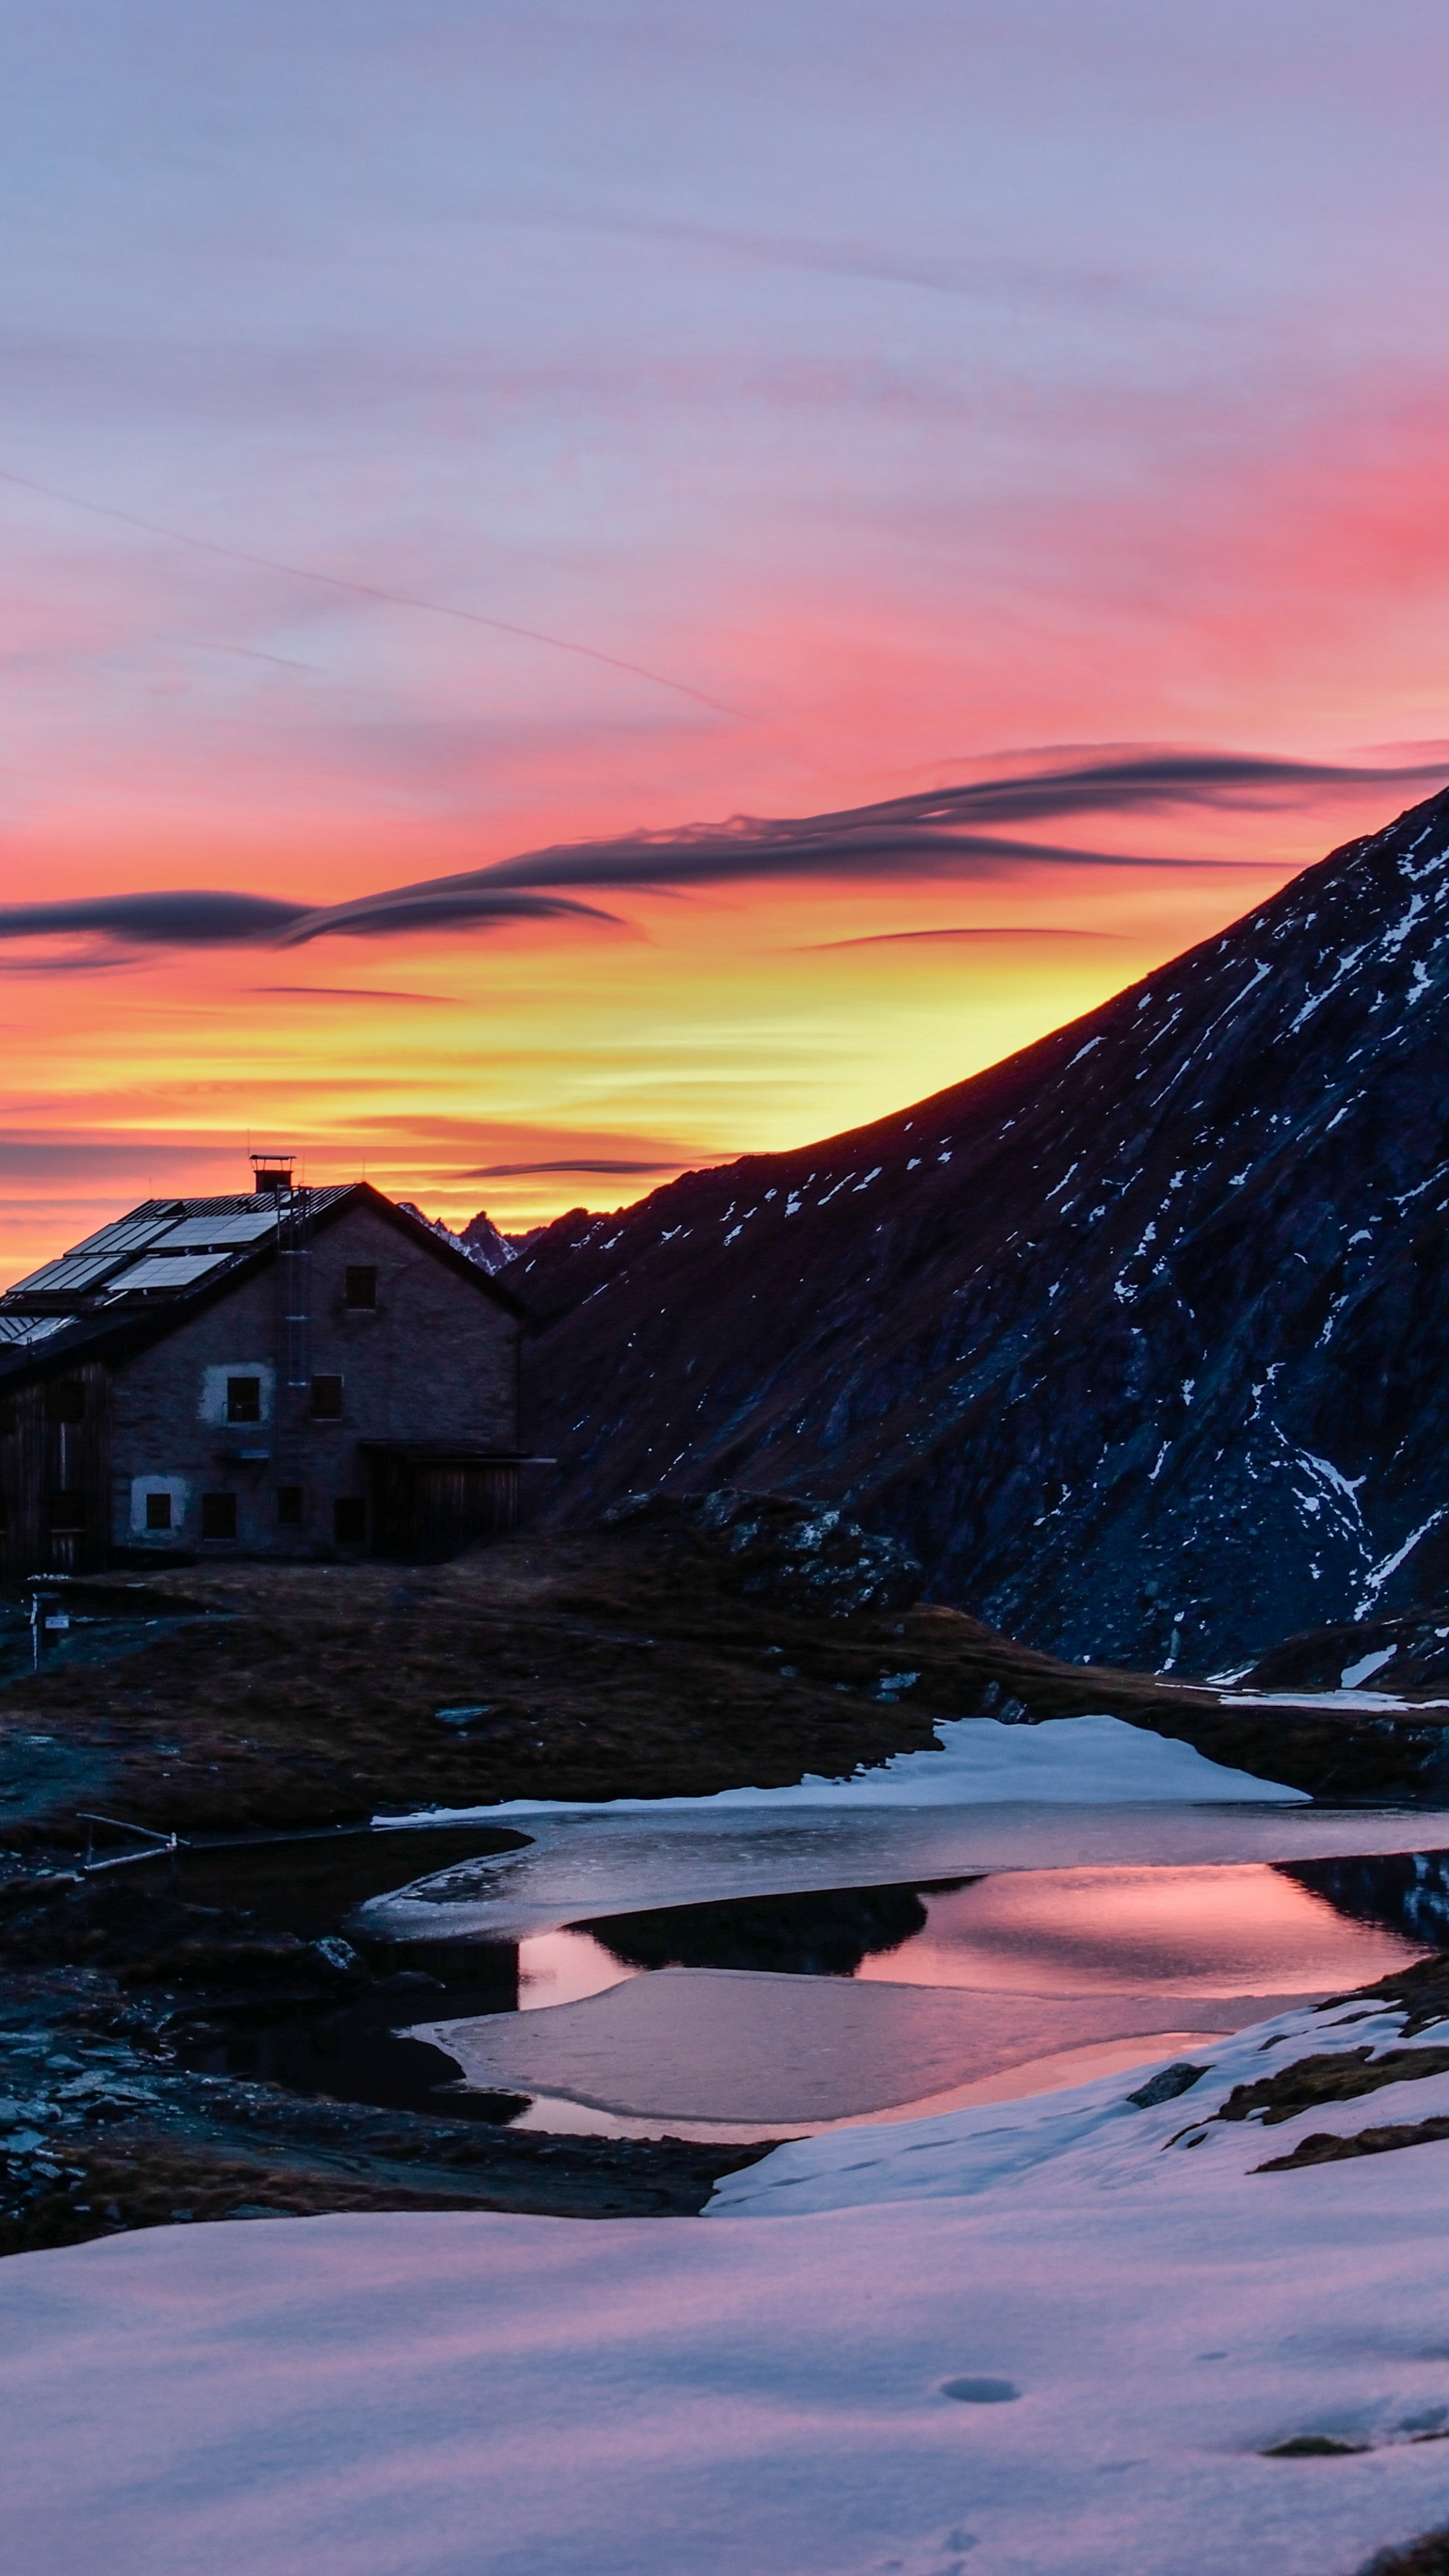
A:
(707, 1023)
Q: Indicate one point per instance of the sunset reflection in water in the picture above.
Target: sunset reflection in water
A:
(1239, 1930)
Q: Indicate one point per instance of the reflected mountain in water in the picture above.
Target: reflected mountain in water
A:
(825, 1933)
(1407, 1892)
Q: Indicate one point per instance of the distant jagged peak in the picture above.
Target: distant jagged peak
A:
(484, 1244)
(479, 1241)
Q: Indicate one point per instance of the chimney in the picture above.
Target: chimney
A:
(272, 1174)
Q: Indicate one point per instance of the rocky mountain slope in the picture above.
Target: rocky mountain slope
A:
(1139, 1340)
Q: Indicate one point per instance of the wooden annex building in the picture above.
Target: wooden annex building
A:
(285, 1372)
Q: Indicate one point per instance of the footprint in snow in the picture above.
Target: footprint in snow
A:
(943, 2557)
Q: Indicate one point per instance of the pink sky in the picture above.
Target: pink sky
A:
(903, 389)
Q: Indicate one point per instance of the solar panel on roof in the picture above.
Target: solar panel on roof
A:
(100, 1252)
(204, 1230)
(233, 1203)
(30, 1328)
(176, 1221)
(133, 1227)
(73, 1270)
(166, 1270)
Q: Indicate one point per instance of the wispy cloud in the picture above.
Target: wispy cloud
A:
(988, 279)
(939, 832)
(196, 918)
(185, 919)
(516, 1171)
(82, 962)
(935, 833)
(365, 993)
(479, 899)
(995, 930)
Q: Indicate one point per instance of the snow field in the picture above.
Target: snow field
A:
(1075, 1761)
(771, 2387)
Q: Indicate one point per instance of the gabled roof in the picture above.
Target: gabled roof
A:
(135, 1279)
(172, 1240)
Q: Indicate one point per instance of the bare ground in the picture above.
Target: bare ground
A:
(618, 1663)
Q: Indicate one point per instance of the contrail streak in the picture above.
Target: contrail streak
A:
(366, 590)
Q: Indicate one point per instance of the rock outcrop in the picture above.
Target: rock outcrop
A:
(806, 1557)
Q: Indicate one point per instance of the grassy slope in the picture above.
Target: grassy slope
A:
(616, 1663)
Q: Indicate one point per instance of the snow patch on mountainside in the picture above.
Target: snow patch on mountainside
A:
(1076, 1761)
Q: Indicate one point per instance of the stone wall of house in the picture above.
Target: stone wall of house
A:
(434, 1359)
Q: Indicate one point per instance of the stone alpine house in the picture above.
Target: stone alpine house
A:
(281, 1372)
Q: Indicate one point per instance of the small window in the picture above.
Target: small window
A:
(218, 1515)
(244, 1399)
(326, 1399)
(158, 1511)
(349, 1520)
(67, 1512)
(289, 1506)
(361, 1287)
(65, 1400)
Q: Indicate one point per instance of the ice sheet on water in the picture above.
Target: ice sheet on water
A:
(768, 2054)
(580, 1867)
(1369, 1703)
(994, 1796)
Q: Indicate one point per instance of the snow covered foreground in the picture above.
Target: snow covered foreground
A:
(1052, 2336)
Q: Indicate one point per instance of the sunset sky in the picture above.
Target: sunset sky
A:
(443, 435)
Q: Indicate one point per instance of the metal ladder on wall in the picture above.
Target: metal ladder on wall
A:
(294, 1331)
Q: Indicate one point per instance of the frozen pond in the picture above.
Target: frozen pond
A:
(746, 2016)
(598, 1861)
(918, 1938)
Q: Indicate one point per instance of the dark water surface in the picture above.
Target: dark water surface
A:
(1077, 1959)
(311, 1885)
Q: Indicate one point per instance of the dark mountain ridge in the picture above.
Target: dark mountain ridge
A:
(1139, 1340)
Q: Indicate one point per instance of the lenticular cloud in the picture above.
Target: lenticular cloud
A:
(949, 832)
